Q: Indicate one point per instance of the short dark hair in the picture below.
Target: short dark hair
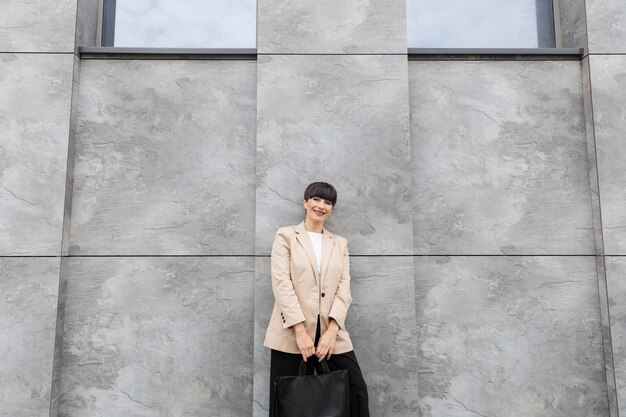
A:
(322, 190)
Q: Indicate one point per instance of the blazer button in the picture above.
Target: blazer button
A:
(283, 320)
(323, 294)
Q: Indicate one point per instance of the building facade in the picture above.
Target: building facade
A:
(481, 192)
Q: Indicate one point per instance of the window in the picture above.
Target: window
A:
(480, 24)
(179, 23)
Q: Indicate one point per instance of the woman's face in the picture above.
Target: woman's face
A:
(318, 209)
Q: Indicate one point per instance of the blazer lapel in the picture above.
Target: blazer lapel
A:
(327, 248)
(303, 237)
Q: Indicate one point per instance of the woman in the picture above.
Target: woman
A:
(311, 284)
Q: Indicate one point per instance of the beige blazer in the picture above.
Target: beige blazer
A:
(296, 292)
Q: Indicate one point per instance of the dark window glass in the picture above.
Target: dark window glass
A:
(480, 24)
(180, 23)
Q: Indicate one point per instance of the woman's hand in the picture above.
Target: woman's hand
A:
(327, 342)
(304, 341)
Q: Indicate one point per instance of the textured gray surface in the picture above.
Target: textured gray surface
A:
(607, 336)
(165, 155)
(599, 241)
(592, 158)
(382, 326)
(28, 306)
(616, 271)
(381, 322)
(509, 336)
(500, 158)
(573, 24)
(37, 25)
(263, 304)
(87, 23)
(608, 78)
(344, 120)
(327, 26)
(71, 160)
(605, 26)
(55, 393)
(158, 337)
(35, 92)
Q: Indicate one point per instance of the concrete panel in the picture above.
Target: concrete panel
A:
(616, 284)
(573, 23)
(158, 337)
(263, 304)
(509, 336)
(165, 155)
(327, 26)
(500, 158)
(605, 26)
(608, 78)
(344, 120)
(592, 158)
(37, 25)
(71, 161)
(28, 313)
(87, 23)
(599, 241)
(35, 95)
(381, 322)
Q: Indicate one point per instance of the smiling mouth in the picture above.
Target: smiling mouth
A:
(319, 213)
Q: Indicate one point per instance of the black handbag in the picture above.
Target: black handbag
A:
(326, 394)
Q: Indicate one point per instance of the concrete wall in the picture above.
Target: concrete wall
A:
(500, 168)
(500, 159)
(35, 101)
(159, 286)
(158, 336)
(165, 158)
(482, 201)
(38, 70)
(28, 311)
(509, 336)
(333, 105)
(605, 86)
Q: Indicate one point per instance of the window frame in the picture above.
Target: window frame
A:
(545, 34)
(108, 23)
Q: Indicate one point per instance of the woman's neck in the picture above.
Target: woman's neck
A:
(315, 227)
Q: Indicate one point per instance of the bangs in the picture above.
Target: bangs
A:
(321, 190)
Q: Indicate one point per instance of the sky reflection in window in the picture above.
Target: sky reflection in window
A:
(477, 23)
(186, 23)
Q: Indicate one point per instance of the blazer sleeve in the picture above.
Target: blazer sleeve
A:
(343, 296)
(282, 286)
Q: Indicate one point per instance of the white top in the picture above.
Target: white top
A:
(316, 241)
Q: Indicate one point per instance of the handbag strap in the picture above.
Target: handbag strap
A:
(324, 365)
(321, 367)
(302, 369)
